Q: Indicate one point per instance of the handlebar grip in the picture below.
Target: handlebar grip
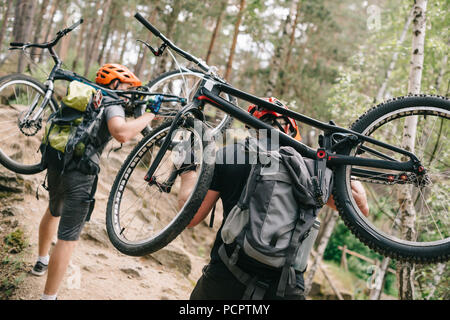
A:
(76, 24)
(17, 44)
(147, 24)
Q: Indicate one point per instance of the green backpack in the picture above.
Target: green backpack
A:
(71, 131)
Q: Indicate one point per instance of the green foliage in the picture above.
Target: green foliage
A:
(342, 236)
(12, 265)
(15, 241)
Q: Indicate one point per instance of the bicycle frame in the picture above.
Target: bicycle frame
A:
(212, 86)
(209, 92)
(56, 74)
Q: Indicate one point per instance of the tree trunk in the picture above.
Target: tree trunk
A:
(79, 41)
(170, 28)
(18, 19)
(65, 41)
(142, 58)
(216, 30)
(53, 9)
(25, 29)
(38, 27)
(5, 22)
(233, 43)
(436, 279)
(108, 27)
(90, 37)
(320, 250)
(292, 38)
(375, 293)
(275, 64)
(92, 50)
(382, 90)
(124, 45)
(405, 271)
(115, 40)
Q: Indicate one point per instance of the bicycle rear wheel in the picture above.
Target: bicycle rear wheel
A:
(20, 138)
(403, 198)
(143, 217)
(183, 84)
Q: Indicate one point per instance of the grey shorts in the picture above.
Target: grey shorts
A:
(71, 198)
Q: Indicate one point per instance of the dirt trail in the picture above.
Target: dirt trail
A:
(97, 270)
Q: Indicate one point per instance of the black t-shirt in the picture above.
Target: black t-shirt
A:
(230, 176)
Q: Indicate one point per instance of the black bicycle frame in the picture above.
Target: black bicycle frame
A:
(209, 92)
(327, 151)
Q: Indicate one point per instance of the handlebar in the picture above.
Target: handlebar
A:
(46, 45)
(169, 43)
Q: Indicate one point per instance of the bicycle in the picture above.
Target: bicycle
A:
(27, 103)
(138, 222)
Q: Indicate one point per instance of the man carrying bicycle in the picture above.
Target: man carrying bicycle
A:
(217, 282)
(71, 188)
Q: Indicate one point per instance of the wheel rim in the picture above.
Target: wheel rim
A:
(430, 203)
(184, 85)
(141, 212)
(20, 140)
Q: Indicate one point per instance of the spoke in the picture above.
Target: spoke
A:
(432, 216)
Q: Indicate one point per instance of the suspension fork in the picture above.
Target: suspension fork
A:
(45, 101)
(167, 142)
(48, 94)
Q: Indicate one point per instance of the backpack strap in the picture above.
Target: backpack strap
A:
(91, 198)
(288, 273)
(255, 287)
(249, 187)
(211, 220)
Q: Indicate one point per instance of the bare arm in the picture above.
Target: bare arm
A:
(359, 194)
(208, 203)
(123, 131)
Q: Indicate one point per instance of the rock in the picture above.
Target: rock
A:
(11, 211)
(92, 268)
(316, 289)
(11, 182)
(96, 232)
(174, 258)
(131, 272)
(101, 255)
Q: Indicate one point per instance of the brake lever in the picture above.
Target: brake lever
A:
(156, 53)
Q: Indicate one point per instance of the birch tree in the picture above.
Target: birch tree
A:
(5, 22)
(405, 271)
(391, 67)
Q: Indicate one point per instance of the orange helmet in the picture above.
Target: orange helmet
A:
(289, 127)
(112, 71)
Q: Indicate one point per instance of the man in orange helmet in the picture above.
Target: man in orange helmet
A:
(72, 189)
(217, 281)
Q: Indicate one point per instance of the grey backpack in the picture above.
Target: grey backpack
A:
(275, 212)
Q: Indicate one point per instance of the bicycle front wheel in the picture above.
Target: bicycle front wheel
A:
(184, 84)
(143, 217)
(409, 215)
(22, 131)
